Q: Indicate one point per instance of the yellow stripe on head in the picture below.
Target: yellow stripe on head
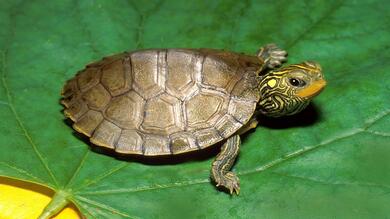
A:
(308, 66)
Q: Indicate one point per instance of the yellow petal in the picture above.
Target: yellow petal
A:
(24, 200)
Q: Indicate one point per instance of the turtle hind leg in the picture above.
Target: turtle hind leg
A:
(220, 170)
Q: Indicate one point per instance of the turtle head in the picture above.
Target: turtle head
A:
(288, 90)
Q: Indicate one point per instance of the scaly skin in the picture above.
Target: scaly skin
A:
(223, 163)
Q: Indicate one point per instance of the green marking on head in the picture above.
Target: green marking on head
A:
(288, 90)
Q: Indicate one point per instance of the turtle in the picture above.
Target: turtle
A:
(156, 102)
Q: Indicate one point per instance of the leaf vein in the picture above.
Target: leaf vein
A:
(85, 29)
(231, 43)
(22, 171)
(365, 184)
(148, 188)
(326, 15)
(307, 149)
(85, 207)
(103, 207)
(3, 103)
(101, 177)
(26, 134)
(141, 22)
(383, 134)
(78, 168)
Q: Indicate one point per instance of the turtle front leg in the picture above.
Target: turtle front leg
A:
(272, 56)
(250, 125)
(220, 170)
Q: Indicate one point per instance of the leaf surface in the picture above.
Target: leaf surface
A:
(329, 162)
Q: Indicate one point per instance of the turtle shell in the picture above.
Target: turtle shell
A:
(162, 101)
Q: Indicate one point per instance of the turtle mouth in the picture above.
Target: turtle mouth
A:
(312, 90)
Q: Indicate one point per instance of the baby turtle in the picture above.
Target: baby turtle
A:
(173, 101)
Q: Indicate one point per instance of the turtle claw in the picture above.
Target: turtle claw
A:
(234, 190)
(272, 55)
(230, 182)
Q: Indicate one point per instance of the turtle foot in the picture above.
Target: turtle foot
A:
(272, 55)
(230, 182)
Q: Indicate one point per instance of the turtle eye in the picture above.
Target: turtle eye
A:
(297, 82)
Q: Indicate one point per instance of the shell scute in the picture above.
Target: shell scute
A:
(116, 77)
(88, 78)
(183, 142)
(203, 109)
(158, 102)
(106, 134)
(227, 125)
(88, 122)
(148, 75)
(241, 109)
(183, 72)
(76, 110)
(155, 145)
(97, 97)
(130, 142)
(163, 115)
(208, 136)
(220, 75)
(121, 111)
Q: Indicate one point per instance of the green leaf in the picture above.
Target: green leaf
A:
(329, 162)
